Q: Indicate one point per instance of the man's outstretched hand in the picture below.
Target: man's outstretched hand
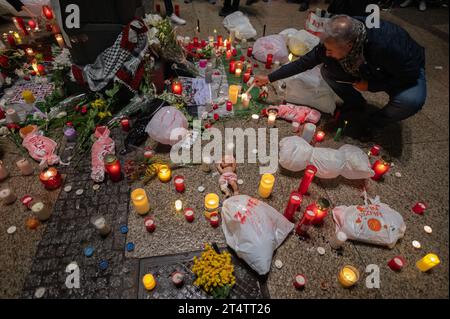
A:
(261, 80)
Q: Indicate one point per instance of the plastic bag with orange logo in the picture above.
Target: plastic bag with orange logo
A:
(375, 223)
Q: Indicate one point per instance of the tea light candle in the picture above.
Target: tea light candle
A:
(189, 215)
(164, 173)
(299, 281)
(214, 221)
(238, 73)
(266, 185)
(428, 262)
(206, 164)
(380, 167)
(3, 172)
(269, 61)
(59, 38)
(271, 116)
(245, 99)
(7, 196)
(416, 244)
(25, 167)
(149, 224)
(102, 226)
(305, 223)
(125, 124)
(320, 136)
(348, 276)
(140, 201)
(28, 97)
(178, 205)
(179, 184)
(255, 117)
(211, 204)
(295, 200)
(12, 116)
(233, 92)
(42, 211)
(149, 282)
(50, 178)
(113, 168)
(177, 87)
(396, 263)
(427, 229)
(309, 130)
(321, 210)
(338, 240)
(308, 177)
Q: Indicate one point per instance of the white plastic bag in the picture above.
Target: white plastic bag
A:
(273, 44)
(254, 230)
(374, 223)
(348, 161)
(309, 88)
(301, 42)
(240, 24)
(168, 126)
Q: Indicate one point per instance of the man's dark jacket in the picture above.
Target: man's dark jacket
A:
(392, 60)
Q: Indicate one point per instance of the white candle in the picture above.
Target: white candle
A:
(102, 226)
(309, 131)
(338, 240)
(245, 98)
(7, 196)
(255, 117)
(178, 205)
(41, 210)
(12, 116)
(206, 164)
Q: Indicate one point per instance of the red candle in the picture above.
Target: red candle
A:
(149, 224)
(303, 225)
(232, 67)
(47, 12)
(195, 42)
(320, 210)
(219, 40)
(380, 167)
(299, 281)
(250, 52)
(320, 136)
(228, 45)
(20, 25)
(32, 24)
(203, 43)
(397, 263)
(269, 61)
(50, 178)
(41, 69)
(125, 124)
(158, 8)
(11, 40)
(246, 77)
(234, 52)
(189, 215)
(229, 106)
(177, 10)
(295, 200)
(214, 221)
(177, 88)
(112, 167)
(375, 150)
(242, 58)
(179, 184)
(228, 55)
(310, 172)
(419, 208)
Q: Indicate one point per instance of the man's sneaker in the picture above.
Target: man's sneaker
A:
(422, 5)
(406, 3)
(176, 19)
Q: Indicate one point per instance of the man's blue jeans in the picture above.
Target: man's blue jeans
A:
(402, 104)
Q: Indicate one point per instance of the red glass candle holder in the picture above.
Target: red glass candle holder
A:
(380, 167)
(214, 221)
(11, 40)
(305, 223)
(179, 184)
(219, 40)
(419, 208)
(149, 224)
(228, 55)
(234, 51)
(232, 67)
(51, 178)
(32, 24)
(113, 168)
(295, 200)
(320, 208)
(246, 77)
(125, 124)
(47, 12)
(177, 87)
(229, 106)
(375, 150)
(320, 136)
(189, 215)
(397, 263)
(195, 42)
(269, 61)
(308, 177)
(299, 281)
(228, 46)
(250, 52)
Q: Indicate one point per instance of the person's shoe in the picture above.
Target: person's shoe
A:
(176, 19)
(225, 11)
(406, 3)
(422, 5)
(304, 6)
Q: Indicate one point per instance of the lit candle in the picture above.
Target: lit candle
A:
(348, 276)
(321, 210)
(246, 77)
(179, 184)
(149, 224)
(305, 223)
(266, 185)
(59, 38)
(291, 57)
(32, 24)
(309, 130)
(47, 12)
(233, 92)
(238, 73)
(28, 97)
(380, 167)
(428, 262)
(17, 38)
(29, 51)
(102, 226)
(250, 52)
(219, 40)
(228, 45)
(7, 196)
(177, 88)
(232, 67)
(419, 208)
(20, 25)
(396, 263)
(25, 167)
(149, 282)
(140, 201)
(295, 200)
(299, 281)
(245, 99)
(178, 205)
(308, 177)
(3, 172)
(42, 211)
(255, 117)
(125, 124)
(214, 221)
(34, 65)
(269, 61)
(228, 55)
(211, 204)
(375, 150)
(12, 116)
(229, 106)
(338, 240)
(189, 215)
(206, 164)
(271, 116)
(164, 173)
(113, 168)
(320, 136)
(211, 40)
(50, 178)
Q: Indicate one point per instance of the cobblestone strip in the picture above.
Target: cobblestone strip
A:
(70, 231)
